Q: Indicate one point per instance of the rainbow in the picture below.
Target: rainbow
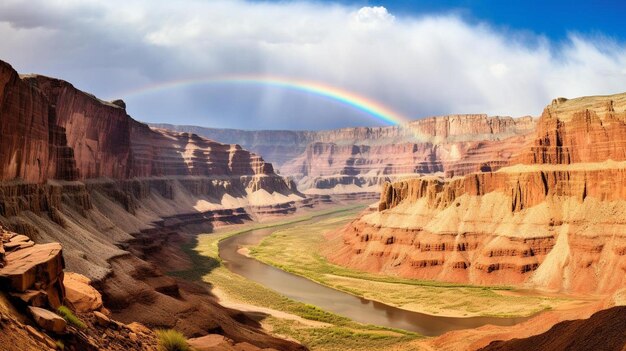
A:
(348, 98)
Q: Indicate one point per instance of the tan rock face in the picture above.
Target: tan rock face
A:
(49, 321)
(33, 272)
(80, 294)
(558, 223)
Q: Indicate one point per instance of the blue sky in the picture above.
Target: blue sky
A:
(553, 19)
(417, 58)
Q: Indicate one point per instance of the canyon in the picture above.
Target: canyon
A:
(353, 160)
(531, 203)
(97, 208)
(552, 219)
(78, 171)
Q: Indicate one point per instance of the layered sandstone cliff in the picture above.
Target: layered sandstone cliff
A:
(556, 220)
(80, 171)
(360, 159)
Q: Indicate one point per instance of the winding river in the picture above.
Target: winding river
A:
(357, 308)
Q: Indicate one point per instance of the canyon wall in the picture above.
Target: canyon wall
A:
(554, 218)
(61, 149)
(79, 171)
(360, 159)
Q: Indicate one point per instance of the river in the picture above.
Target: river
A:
(344, 304)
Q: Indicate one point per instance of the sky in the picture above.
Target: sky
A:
(416, 58)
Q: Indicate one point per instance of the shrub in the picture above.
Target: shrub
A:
(172, 340)
(71, 318)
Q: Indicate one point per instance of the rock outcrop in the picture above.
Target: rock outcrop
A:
(604, 330)
(586, 129)
(33, 273)
(554, 221)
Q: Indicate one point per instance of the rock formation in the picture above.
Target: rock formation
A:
(360, 159)
(33, 273)
(79, 171)
(604, 330)
(553, 219)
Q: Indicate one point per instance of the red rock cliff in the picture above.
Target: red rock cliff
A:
(587, 129)
(454, 145)
(24, 130)
(556, 222)
(366, 156)
(51, 130)
(79, 171)
(97, 132)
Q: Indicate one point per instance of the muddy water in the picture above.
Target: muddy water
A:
(356, 308)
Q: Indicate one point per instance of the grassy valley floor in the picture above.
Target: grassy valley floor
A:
(297, 250)
(315, 328)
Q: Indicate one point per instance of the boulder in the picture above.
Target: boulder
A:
(39, 263)
(101, 319)
(48, 320)
(139, 328)
(80, 294)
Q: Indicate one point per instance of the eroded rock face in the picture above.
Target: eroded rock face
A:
(160, 152)
(33, 272)
(366, 157)
(282, 146)
(24, 132)
(51, 130)
(79, 171)
(587, 129)
(97, 132)
(557, 222)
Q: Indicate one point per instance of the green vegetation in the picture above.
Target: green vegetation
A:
(172, 340)
(71, 318)
(317, 328)
(297, 250)
(60, 345)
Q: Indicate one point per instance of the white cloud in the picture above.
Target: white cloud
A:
(372, 17)
(499, 70)
(419, 66)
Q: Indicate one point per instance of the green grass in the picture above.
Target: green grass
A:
(171, 340)
(338, 333)
(297, 250)
(71, 318)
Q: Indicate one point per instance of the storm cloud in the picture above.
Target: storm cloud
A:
(419, 66)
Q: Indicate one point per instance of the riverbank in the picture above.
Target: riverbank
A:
(315, 328)
(298, 250)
